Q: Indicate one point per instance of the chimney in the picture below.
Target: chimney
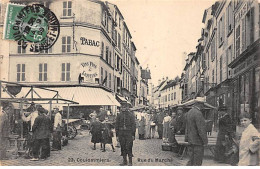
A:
(159, 82)
(163, 79)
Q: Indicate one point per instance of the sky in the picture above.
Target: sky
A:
(162, 31)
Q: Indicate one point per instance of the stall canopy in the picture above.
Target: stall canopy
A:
(88, 96)
(121, 99)
(191, 102)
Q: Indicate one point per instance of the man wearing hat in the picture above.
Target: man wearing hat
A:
(225, 129)
(57, 130)
(196, 134)
(125, 132)
(41, 132)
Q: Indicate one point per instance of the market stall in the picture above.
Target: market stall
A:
(16, 98)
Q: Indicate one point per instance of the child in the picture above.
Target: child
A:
(249, 143)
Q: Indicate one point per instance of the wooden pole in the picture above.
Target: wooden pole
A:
(0, 92)
(50, 108)
(21, 110)
(68, 115)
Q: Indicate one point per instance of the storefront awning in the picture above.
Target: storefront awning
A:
(88, 96)
(198, 99)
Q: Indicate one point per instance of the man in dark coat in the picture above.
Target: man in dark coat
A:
(225, 129)
(159, 123)
(180, 121)
(41, 132)
(196, 134)
(125, 132)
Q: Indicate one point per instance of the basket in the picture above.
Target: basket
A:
(166, 147)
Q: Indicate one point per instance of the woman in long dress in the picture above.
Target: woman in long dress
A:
(141, 128)
(107, 135)
(95, 130)
(147, 126)
(166, 126)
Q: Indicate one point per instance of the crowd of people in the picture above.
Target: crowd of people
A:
(190, 123)
(45, 132)
(166, 123)
(40, 128)
(44, 129)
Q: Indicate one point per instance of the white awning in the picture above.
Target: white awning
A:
(87, 96)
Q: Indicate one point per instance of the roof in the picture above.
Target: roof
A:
(127, 30)
(133, 44)
(137, 60)
(160, 85)
(170, 84)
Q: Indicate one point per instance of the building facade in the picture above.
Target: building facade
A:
(171, 94)
(226, 62)
(94, 48)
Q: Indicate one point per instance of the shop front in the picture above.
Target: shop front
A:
(245, 84)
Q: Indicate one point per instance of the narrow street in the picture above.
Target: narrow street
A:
(79, 153)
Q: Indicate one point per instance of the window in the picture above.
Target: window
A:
(169, 97)
(110, 58)
(250, 27)
(106, 78)
(221, 30)
(238, 41)
(43, 72)
(102, 75)
(116, 37)
(203, 61)
(220, 69)
(213, 76)
(107, 53)
(212, 47)
(20, 72)
(104, 18)
(20, 49)
(66, 44)
(67, 8)
(174, 95)
(116, 17)
(102, 50)
(109, 80)
(119, 41)
(119, 23)
(229, 54)
(243, 34)
(65, 72)
(46, 50)
(230, 19)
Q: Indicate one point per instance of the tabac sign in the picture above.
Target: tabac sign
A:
(88, 71)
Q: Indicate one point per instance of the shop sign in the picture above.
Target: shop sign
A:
(245, 64)
(246, 7)
(89, 70)
(241, 13)
(89, 42)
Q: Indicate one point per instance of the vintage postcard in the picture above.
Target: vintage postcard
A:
(129, 83)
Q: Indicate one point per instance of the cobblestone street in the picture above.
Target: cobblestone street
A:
(79, 152)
